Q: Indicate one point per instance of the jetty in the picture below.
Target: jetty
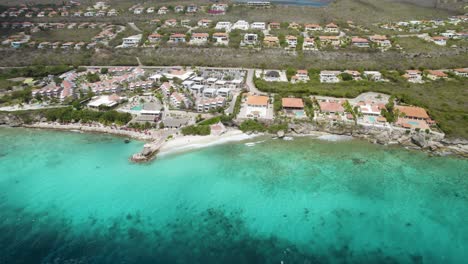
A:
(149, 151)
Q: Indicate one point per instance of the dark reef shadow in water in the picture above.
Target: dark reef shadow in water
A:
(213, 236)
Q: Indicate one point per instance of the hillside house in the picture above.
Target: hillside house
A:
(329, 76)
(331, 28)
(360, 42)
(271, 41)
(312, 27)
(309, 44)
(205, 23)
(199, 38)
(177, 38)
(414, 76)
(435, 75)
(220, 38)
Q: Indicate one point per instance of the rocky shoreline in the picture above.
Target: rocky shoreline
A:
(433, 143)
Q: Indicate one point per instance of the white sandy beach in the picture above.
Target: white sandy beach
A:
(186, 143)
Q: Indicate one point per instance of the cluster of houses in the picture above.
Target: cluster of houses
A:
(333, 109)
(251, 37)
(214, 9)
(415, 26)
(325, 76)
(117, 80)
(107, 33)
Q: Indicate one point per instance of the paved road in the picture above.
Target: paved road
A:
(132, 25)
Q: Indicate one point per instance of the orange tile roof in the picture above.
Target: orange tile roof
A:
(437, 73)
(257, 100)
(292, 102)
(413, 111)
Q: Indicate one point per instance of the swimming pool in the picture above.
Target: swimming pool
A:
(137, 108)
(413, 123)
(371, 119)
(299, 113)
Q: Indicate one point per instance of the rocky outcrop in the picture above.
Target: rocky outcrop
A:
(432, 142)
(7, 119)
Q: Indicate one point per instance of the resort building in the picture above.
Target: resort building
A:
(258, 26)
(381, 41)
(440, 40)
(180, 101)
(204, 23)
(207, 104)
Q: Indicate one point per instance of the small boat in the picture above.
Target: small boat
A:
(127, 141)
(250, 144)
(288, 138)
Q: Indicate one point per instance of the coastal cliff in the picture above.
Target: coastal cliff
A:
(433, 142)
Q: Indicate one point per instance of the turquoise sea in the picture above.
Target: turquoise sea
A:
(75, 198)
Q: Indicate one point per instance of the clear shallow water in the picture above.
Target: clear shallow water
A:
(75, 198)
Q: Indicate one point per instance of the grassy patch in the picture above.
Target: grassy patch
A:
(64, 35)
